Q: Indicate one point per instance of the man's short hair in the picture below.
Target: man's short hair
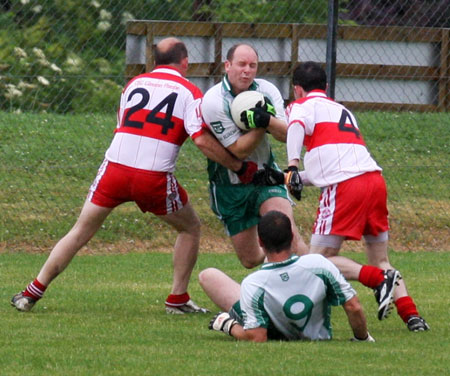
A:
(232, 50)
(310, 76)
(173, 55)
(275, 231)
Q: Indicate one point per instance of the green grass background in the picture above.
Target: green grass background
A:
(104, 316)
(48, 161)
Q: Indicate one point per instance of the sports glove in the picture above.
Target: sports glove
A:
(268, 176)
(294, 182)
(222, 322)
(256, 117)
(368, 339)
(247, 172)
(268, 106)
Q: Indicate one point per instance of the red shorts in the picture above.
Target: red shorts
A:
(353, 208)
(153, 191)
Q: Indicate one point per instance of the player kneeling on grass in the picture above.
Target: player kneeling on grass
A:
(289, 298)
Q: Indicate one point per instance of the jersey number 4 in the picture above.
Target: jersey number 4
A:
(347, 128)
(166, 122)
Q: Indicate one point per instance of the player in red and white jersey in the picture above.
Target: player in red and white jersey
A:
(158, 111)
(353, 203)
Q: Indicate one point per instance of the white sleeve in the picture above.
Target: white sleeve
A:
(294, 142)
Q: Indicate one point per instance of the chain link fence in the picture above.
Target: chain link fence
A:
(63, 61)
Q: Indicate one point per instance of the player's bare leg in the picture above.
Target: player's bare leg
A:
(247, 248)
(89, 221)
(220, 288)
(91, 218)
(284, 206)
(187, 223)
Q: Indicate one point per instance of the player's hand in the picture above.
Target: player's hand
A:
(368, 339)
(268, 176)
(222, 322)
(294, 182)
(268, 106)
(256, 117)
(247, 172)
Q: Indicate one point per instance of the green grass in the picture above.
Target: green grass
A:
(48, 161)
(104, 316)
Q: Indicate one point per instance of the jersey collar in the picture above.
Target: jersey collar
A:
(227, 86)
(275, 265)
(317, 93)
(167, 69)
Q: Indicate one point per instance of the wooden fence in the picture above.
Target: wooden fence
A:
(438, 74)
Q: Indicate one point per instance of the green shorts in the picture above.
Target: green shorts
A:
(237, 206)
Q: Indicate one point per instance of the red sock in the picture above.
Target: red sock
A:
(406, 308)
(35, 290)
(177, 300)
(371, 276)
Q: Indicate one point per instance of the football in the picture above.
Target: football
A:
(242, 102)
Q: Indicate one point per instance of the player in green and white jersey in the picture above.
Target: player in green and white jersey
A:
(238, 205)
(289, 298)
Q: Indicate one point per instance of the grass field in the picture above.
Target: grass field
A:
(47, 163)
(104, 316)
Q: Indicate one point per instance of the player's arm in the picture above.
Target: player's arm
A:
(247, 143)
(252, 335)
(215, 151)
(357, 319)
(278, 129)
(223, 322)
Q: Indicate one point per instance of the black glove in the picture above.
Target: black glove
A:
(294, 182)
(247, 172)
(222, 322)
(256, 117)
(268, 106)
(268, 176)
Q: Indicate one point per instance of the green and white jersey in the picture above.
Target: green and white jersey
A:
(216, 114)
(293, 298)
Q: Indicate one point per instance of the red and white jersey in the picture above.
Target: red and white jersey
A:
(158, 111)
(335, 148)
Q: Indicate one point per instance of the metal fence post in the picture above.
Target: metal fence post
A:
(333, 10)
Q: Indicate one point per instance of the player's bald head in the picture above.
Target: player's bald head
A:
(241, 48)
(170, 51)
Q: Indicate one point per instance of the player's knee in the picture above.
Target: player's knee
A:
(206, 276)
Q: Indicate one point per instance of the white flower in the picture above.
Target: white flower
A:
(44, 62)
(24, 2)
(126, 16)
(43, 80)
(12, 91)
(95, 4)
(55, 68)
(103, 25)
(73, 60)
(105, 15)
(25, 85)
(39, 53)
(19, 52)
(37, 9)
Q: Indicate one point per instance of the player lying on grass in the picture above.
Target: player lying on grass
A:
(289, 298)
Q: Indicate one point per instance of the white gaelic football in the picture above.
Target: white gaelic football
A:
(244, 101)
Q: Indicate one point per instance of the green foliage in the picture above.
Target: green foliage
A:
(105, 316)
